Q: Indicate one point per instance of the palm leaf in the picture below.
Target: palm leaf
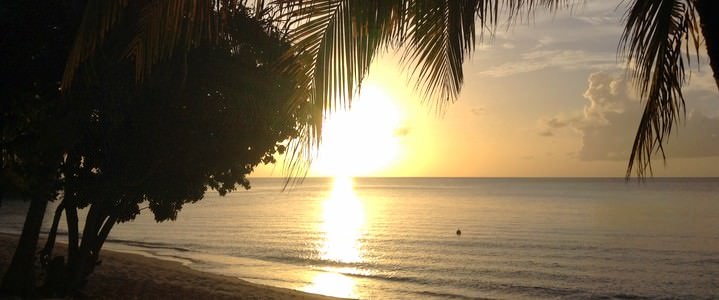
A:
(98, 18)
(653, 42)
(440, 34)
(162, 25)
(335, 42)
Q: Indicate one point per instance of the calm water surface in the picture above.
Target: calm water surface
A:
(385, 238)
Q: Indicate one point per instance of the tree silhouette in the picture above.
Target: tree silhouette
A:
(35, 43)
(654, 37)
(204, 118)
(336, 41)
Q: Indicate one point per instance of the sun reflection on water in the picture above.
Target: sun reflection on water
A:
(332, 284)
(343, 220)
(342, 224)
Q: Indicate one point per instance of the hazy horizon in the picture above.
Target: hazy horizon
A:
(631, 179)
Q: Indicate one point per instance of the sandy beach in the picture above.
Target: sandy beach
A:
(133, 276)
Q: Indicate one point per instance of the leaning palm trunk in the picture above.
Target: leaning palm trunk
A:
(710, 30)
(73, 236)
(46, 252)
(19, 278)
(68, 277)
(100, 220)
(54, 267)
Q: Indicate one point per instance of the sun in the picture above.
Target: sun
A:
(362, 141)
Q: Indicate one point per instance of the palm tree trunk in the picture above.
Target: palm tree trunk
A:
(709, 24)
(98, 224)
(46, 253)
(73, 243)
(19, 278)
(73, 237)
(82, 262)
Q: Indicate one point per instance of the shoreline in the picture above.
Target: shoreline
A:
(127, 275)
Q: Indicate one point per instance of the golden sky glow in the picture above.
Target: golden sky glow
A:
(363, 140)
(540, 100)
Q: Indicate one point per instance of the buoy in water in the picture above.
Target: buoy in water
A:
(459, 232)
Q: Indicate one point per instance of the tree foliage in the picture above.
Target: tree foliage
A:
(658, 41)
(34, 43)
(203, 118)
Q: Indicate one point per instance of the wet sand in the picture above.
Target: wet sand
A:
(133, 276)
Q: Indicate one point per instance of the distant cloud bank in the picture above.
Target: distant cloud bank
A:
(609, 121)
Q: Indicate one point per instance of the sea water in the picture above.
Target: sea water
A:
(396, 238)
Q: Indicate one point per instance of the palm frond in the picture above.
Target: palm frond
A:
(341, 37)
(98, 18)
(335, 42)
(441, 33)
(653, 42)
(162, 25)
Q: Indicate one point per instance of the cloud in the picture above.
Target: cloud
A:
(609, 121)
(598, 20)
(546, 43)
(546, 133)
(477, 111)
(559, 122)
(548, 126)
(564, 59)
(610, 140)
(701, 134)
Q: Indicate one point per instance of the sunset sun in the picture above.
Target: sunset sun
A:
(363, 140)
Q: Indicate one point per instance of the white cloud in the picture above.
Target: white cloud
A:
(563, 59)
(598, 20)
(584, 39)
(606, 94)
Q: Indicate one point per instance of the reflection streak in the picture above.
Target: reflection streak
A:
(343, 220)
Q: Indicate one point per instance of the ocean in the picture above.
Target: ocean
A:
(396, 238)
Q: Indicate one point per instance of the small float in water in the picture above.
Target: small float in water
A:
(459, 232)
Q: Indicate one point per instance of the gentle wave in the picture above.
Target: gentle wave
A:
(522, 238)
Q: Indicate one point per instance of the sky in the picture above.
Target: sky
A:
(544, 98)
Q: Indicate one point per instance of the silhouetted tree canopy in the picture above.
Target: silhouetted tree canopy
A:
(34, 44)
(204, 118)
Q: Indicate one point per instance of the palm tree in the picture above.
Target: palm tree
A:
(656, 39)
(338, 39)
(160, 28)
